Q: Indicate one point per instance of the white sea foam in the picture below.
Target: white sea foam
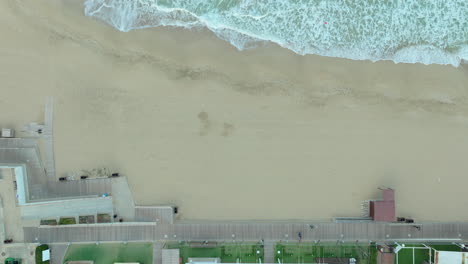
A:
(410, 31)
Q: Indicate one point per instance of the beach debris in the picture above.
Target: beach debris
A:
(34, 129)
(91, 174)
(97, 173)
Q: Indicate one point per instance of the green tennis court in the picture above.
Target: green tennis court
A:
(109, 253)
(309, 252)
(420, 253)
(227, 252)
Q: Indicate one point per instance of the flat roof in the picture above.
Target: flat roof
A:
(450, 257)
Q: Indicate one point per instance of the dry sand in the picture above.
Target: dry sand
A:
(259, 134)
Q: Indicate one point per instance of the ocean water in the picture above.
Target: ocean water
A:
(410, 31)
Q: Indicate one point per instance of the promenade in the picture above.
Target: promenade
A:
(245, 231)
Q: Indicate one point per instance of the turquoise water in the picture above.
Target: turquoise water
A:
(411, 31)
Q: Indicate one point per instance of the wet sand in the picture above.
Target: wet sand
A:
(223, 134)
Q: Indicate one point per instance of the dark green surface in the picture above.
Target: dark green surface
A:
(227, 252)
(12, 261)
(447, 247)
(110, 253)
(67, 221)
(39, 250)
(405, 255)
(307, 252)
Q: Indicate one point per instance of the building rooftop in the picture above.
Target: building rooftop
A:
(384, 210)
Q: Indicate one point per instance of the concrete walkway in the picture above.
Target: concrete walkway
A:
(57, 253)
(372, 231)
(157, 253)
(11, 211)
(122, 198)
(23, 251)
(268, 251)
(2, 222)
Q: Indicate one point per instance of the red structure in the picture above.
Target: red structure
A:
(384, 210)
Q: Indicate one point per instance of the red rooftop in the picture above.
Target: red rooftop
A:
(384, 210)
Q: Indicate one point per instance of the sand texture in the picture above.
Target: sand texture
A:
(223, 134)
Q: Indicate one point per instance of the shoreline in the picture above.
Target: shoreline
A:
(244, 38)
(311, 135)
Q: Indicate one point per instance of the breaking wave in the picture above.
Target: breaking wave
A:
(410, 31)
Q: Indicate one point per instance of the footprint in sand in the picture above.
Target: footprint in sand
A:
(228, 129)
(205, 123)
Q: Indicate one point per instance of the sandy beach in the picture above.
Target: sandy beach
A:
(224, 134)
